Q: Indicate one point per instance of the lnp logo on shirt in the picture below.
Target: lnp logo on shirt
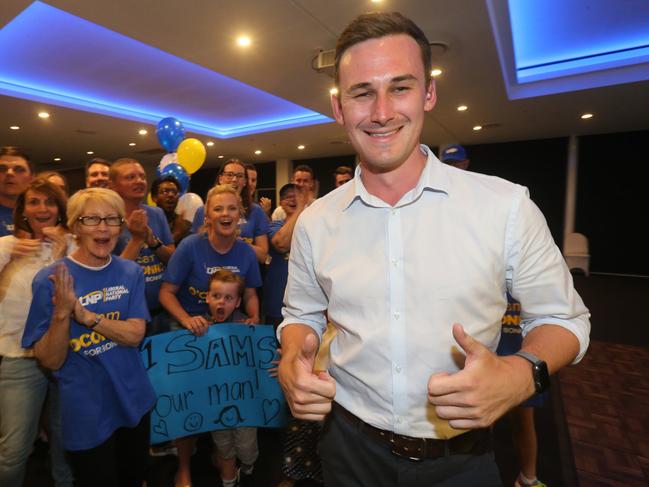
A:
(111, 293)
(91, 298)
(232, 268)
(114, 292)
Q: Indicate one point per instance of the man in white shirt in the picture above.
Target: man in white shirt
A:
(411, 261)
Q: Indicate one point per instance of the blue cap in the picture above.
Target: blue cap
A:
(454, 152)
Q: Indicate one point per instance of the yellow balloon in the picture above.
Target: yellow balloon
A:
(191, 155)
(149, 200)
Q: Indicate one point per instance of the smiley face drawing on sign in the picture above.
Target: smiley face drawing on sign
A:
(193, 422)
(230, 417)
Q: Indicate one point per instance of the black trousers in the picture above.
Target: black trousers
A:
(350, 458)
(120, 461)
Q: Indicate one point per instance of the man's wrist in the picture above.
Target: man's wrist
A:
(523, 374)
(92, 322)
(155, 244)
(539, 372)
(138, 239)
(61, 315)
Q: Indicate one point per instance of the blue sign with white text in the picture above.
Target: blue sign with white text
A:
(216, 381)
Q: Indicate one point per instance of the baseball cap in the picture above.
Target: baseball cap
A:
(454, 152)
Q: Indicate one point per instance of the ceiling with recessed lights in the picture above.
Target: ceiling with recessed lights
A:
(105, 70)
(76, 68)
(558, 46)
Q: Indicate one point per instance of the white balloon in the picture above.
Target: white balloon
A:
(171, 158)
(188, 204)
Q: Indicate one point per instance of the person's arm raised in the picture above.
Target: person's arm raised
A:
(281, 241)
(198, 325)
(137, 223)
(51, 350)
(260, 246)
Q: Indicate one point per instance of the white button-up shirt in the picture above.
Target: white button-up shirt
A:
(394, 279)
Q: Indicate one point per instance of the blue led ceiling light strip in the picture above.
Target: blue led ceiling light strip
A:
(88, 67)
(629, 50)
(584, 64)
(560, 46)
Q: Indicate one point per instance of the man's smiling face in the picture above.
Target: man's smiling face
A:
(382, 99)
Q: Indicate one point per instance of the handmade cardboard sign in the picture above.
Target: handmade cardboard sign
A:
(217, 381)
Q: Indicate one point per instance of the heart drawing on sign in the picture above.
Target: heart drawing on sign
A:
(271, 409)
(161, 428)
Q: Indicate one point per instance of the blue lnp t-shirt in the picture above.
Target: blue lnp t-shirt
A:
(275, 281)
(195, 260)
(103, 385)
(6, 221)
(250, 226)
(511, 338)
(151, 264)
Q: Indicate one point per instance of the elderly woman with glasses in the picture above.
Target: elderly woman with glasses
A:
(85, 323)
(253, 223)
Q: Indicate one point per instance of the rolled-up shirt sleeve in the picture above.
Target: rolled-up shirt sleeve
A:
(538, 277)
(305, 301)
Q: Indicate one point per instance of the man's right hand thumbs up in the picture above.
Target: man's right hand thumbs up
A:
(309, 393)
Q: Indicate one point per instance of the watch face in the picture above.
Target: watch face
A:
(541, 376)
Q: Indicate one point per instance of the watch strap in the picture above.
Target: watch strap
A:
(156, 245)
(95, 322)
(533, 359)
(539, 371)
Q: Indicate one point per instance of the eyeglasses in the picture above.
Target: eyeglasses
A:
(16, 169)
(232, 175)
(166, 191)
(94, 221)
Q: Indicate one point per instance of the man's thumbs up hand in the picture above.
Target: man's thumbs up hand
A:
(485, 389)
(309, 393)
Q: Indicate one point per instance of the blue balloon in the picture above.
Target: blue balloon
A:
(177, 171)
(170, 133)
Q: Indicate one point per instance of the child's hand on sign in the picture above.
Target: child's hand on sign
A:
(253, 320)
(273, 372)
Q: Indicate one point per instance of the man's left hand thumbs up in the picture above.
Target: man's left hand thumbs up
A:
(485, 389)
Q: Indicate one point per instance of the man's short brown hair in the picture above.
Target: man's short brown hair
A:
(380, 24)
(96, 160)
(344, 170)
(304, 168)
(16, 152)
(115, 166)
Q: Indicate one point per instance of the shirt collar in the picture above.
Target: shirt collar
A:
(433, 178)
